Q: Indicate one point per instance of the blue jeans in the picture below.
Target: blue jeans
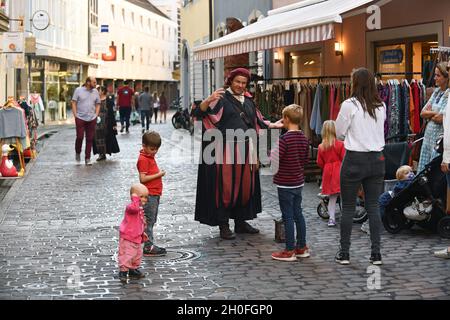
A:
(151, 214)
(291, 209)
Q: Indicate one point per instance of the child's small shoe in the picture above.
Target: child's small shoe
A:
(331, 223)
(123, 276)
(136, 274)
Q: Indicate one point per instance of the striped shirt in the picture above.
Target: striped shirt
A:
(290, 156)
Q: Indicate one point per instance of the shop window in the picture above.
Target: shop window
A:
(406, 59)
(391, 60)
(93, 12)
(305, 64)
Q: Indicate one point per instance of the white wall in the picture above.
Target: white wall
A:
(68, 31)
(159, 47)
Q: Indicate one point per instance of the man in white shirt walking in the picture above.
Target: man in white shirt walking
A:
(85, 108)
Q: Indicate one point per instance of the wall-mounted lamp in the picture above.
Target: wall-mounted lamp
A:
(276, 57)
(339, 48)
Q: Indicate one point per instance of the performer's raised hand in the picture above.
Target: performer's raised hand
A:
(212, 99)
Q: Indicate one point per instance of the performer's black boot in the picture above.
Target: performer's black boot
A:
(225, 232)
(244, 227)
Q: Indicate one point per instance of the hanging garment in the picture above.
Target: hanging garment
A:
(37, 104)
(316, 119)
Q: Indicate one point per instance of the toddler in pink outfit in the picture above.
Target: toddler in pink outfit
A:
(132, 235)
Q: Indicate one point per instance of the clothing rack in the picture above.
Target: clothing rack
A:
(306, 78)
(400, 73)
(440, 49)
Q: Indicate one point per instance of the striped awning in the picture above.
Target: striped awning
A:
(304, 22)
(284, 39)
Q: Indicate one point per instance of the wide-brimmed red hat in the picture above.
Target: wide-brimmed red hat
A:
(238, 72)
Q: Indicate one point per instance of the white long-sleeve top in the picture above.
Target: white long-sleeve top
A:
(358, 129)
(446, 123)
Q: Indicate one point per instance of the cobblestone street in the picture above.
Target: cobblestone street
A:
(63, 218)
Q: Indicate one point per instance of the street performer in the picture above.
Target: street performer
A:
(228, 187)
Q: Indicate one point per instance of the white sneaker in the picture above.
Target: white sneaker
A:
(88, 162)
(365, 227)
(444, 254)
(331, 223)
(78, 157)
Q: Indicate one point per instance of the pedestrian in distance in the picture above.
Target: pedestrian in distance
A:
(290, 156)
(361, 124)
(151, 177)
(85, 108)
(105, 141)
(132, 235)
(146, 107)
(125, 103)
(329, 157)
(163, 106)
(155, 106)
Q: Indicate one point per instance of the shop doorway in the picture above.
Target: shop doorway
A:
(304, 63)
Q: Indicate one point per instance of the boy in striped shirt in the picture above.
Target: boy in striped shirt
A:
(291, 156)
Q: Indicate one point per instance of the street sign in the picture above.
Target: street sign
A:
(99, 43)
(41, 20)
(104, 28)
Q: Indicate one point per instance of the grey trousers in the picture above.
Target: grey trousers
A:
(151, 215)
(366, 169)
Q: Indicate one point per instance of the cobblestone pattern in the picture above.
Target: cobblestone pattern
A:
(65, 219)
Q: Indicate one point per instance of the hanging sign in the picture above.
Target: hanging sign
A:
(13, 42)
(41, 20)
(391, 56)
(99, 42)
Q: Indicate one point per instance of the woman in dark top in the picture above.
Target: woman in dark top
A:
(105, 141)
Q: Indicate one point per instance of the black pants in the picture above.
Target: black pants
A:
(366, 169)
(125, 114)
(155, 112)
(146, 117)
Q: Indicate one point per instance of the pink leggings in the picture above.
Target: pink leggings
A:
(130, 255)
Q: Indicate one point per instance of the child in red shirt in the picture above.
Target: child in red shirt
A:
(151, 177)
(132, 235)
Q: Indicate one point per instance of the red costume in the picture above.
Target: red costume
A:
(330, 160)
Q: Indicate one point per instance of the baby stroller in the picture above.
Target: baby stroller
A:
(422, 202)
(361, 213)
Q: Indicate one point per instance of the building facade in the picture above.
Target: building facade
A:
(365, 39)
(196, 17)
(228, 19)
(60, 61)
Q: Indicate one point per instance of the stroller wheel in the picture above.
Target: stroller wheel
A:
(361, 215)
(322, 211)
(444, 227)
(431, 223)
(394, 221)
